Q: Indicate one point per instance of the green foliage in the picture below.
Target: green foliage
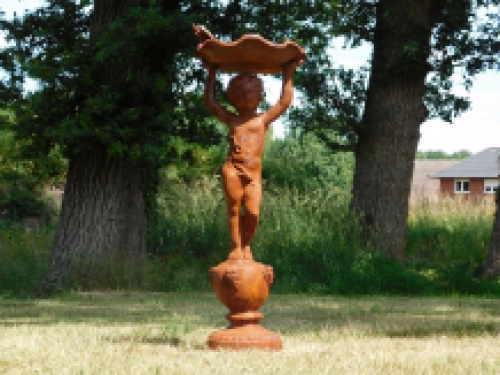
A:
(332, 104)
(464, 40)
(133, 111)
(21, 203)
(194, 162)
(135, 89)
(23, 258)
(449, 248)
(22, 178)
(304, 163)
(19, 167)
(441, 155)
(314, 247)
(190, 226)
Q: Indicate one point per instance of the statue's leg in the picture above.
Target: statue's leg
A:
(252, 199)
(233, 190)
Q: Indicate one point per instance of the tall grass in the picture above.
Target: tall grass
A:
(448, 241)
(23, 258)
(316, 246)
(311, 240)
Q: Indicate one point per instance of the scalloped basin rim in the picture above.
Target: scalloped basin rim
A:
(249, 54)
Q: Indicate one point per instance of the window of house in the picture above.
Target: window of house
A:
(462, 186)
(490, 186)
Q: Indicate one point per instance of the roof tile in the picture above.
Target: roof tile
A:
(483, 164)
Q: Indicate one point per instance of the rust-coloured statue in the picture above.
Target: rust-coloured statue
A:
(247, 132)
(242, 284)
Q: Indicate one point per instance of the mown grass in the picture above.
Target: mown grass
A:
(157, 333)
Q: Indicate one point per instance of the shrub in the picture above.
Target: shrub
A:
(23, 176)
(305, 164)
(23, 259)
(448, 241)
(17, 204)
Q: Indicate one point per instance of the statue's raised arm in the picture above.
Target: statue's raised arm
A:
(211, 101)
(286, 93)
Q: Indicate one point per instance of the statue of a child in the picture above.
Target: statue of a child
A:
(247, 132)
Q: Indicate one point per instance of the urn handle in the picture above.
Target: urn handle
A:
(268, 274)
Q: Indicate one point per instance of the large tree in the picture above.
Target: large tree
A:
(417, 46)
(112, 95)
(118, 94)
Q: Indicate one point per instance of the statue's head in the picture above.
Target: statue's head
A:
(245, 91)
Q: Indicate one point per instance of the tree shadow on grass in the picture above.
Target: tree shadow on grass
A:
(182, 314)
(390, 316)
(173, 341)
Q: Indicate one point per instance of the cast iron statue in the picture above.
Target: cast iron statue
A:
(240, 283)
(247, 132)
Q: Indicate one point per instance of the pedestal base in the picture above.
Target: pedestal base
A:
(243, 286)
(245, 337)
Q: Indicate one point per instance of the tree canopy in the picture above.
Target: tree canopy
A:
(142, 115)
(153, 103)
(72, 109)
(464, 41)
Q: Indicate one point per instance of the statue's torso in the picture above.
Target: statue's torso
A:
(246, 144)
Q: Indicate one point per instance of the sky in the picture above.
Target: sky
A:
(474, 130)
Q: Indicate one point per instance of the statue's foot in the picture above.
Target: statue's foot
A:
(236, 254)
(247, 254)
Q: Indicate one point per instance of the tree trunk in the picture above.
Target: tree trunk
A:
(491, 268)
(393, 113)
(102, 228)
(101, 237)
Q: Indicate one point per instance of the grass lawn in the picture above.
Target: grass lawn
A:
(150, 333)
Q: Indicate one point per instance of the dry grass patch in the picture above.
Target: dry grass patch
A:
(147, 333)
(450, 208)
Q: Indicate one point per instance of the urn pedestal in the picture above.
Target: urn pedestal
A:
(243, 286)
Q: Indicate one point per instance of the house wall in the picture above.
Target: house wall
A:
(477, 186)
(423, 187)
(447, 187)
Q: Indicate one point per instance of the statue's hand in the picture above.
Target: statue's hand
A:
(210, 67)
(289, 67)
(202, 33)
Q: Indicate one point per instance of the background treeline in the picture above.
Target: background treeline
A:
(441, 155)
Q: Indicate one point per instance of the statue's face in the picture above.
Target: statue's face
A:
(245, 94)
